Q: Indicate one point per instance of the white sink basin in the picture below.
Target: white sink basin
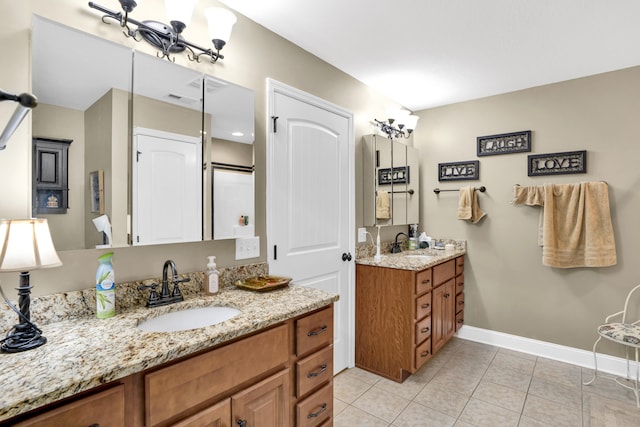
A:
(192, 318)
(422, 257)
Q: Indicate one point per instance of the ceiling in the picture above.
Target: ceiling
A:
(427, 53)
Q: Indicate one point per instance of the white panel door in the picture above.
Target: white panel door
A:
(167, 192)
(310, 202)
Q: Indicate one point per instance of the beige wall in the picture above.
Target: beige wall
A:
(507, 288)
(252, 55)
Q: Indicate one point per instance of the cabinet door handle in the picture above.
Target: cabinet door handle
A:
(447, 295)
(424, 330)
(317, 331)
(424, 353)
(242, 423)
(426, 305)
(323, 368)
(317, 414)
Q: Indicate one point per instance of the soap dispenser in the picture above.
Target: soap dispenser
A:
(211, 285)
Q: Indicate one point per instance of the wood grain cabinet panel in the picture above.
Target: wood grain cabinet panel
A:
(314, 370)
(314, 331)
(265, 404)
(105, 408)
(316, 409)
(218, 415)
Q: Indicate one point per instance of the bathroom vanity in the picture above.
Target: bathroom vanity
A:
(408, 306)
(273, 362)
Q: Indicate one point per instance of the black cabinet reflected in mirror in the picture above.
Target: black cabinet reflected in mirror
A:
(89, 98)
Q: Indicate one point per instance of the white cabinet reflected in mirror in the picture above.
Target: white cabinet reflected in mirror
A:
(87, 98)
(390, 182)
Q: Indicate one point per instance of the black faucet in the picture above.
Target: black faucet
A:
(166, 296)
(395, 247)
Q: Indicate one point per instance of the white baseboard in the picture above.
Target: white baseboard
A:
(609, 364)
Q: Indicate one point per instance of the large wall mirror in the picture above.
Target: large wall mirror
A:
(390, 182)
(143, 130)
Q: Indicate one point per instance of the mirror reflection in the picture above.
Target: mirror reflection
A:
(92, 100)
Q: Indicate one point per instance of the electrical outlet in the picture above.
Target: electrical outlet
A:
(362, 235)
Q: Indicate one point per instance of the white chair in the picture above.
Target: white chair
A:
(627, 333)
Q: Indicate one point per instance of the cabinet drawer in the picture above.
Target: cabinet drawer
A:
(423, 306)
(459, 320)
(443, 272)
(105, 408)
(459, 302)
(172, 390)
(459, 283)
(314, 331)
(459, 265)
(314, 370)
(315, 409)
(423, 353)
(423, 281)
(423, 329)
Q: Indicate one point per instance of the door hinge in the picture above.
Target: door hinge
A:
(275, 123)
(275, 252)
(138, 155)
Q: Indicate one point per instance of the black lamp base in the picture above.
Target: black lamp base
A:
(22, 337)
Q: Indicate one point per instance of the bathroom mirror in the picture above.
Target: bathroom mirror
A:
(390, 182)
(102, 127)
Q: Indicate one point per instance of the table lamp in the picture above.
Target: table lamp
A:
(25, 244)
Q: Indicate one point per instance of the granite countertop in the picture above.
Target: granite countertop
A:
(418, 259)
(85, 352)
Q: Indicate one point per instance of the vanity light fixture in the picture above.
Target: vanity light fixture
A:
(168, 38)
(25, 244)
(406, 125)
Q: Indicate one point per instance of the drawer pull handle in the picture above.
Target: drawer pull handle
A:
(426, 305)
(460, 302)
(426, 281)
(424, 353)
(424, 330)
(460, 320)
(323, 368)
(320, 411)
(461, 284)
(317, 331)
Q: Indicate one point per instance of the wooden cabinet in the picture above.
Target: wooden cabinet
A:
(403, 317)
(459, 292)
(105, 408)
(278, 377)
(50, 175)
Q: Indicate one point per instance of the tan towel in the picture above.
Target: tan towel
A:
(575, 228)
(382, 205)
(468, 206)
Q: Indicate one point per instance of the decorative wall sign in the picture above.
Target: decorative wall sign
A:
(458, 171)
(398, 175)
(505, 143)
(557, 163)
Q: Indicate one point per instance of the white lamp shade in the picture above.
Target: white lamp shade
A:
(220, 22)
(25, 244)
(180, 10)
(411, 121)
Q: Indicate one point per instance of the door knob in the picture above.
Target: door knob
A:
(346, 256)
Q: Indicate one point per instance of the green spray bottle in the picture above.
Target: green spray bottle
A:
(105, 288)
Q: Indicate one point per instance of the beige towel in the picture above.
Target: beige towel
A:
(576, 223)
(468, 206)
(382, 205)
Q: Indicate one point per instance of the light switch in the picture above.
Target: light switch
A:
(247, 247)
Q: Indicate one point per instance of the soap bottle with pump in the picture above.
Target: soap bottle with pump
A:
(211, 285)
(105, 288)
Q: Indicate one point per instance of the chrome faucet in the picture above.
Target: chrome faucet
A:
(166, 296)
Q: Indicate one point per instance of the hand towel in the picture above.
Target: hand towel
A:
(530, 196)
(577, 229)
(468, 206)
(382, 205)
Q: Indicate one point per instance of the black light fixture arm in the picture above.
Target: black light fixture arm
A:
(392, 131)
(165, 38)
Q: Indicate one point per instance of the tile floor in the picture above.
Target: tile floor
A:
(472, 384)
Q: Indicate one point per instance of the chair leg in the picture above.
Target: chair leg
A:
(595, 363)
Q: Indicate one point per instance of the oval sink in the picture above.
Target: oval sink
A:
(422, 257)
(192, 318)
